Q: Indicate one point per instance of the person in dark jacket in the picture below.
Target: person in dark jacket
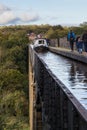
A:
(79, 44)
(71, 39)
(84, 38)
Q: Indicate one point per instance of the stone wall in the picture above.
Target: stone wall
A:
(54, 42)
(61, 42)
(64, 43)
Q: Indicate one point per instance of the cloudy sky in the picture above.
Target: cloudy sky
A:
(54, 12)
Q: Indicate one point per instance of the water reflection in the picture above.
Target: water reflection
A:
(73, 74)
(78, 74)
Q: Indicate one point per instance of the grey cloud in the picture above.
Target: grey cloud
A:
(4, 8)
(7, 16)
(29, 18)
(23, 19)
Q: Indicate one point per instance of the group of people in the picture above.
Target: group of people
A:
(81, 41)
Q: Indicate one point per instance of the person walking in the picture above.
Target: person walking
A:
(79, 44)
(84, 38)
(71, 39)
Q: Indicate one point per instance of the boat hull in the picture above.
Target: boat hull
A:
(41, 48)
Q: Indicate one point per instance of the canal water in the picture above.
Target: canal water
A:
(71, 73)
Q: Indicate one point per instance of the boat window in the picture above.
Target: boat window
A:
(41, 42)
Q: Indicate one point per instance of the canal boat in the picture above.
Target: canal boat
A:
(40, 44)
